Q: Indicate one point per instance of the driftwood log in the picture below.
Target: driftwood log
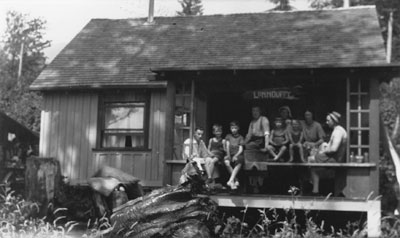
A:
(173, 211)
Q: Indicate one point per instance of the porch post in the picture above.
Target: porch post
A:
(169, 130)
(192, 115)
(374, 218)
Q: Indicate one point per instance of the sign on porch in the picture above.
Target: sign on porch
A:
(273, 93)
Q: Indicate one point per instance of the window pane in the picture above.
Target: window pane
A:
(114, 141)
(354, 102)
(365, 137)
(123, 140)
(182, 102)
(354, 119)
(353, 137)
(137, 141)
(365, 153)
(365, 119)
(364, 101)
(354, 85)
(364, 86)
(124, 117)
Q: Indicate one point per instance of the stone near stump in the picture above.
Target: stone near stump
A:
(42, 180)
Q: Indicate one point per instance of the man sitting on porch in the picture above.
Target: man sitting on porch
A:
(196, 151)
(331, 152)
(257, 137)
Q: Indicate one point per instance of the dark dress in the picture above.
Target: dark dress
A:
(217, 149)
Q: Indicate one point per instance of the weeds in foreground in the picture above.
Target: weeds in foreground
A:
(19, 218)
(272, 224)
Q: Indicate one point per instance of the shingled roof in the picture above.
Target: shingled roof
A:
(125, 52)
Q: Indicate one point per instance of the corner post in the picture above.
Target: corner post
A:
(374, 218)
(169, 130)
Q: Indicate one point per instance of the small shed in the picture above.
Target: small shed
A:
(127, 92)
(15, 140)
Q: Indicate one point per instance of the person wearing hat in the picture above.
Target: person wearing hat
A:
(331, 152)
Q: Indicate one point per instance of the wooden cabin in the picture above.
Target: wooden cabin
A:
(126, 93)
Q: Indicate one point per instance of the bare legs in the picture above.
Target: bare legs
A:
(282, 150)
(210, 166)
(315, 180)
(231, 182)
(291, 152)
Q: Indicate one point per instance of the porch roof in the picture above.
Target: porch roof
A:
(126, 52)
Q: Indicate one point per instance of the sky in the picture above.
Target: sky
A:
(65, 18)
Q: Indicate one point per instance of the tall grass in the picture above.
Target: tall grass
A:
(19, 218)
(273, 224)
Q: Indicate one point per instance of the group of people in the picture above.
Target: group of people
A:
(307, 137)
(227, 151)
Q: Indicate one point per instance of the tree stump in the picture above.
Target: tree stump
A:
(42, 180)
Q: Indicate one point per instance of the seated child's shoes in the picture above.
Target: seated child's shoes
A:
(236, 183)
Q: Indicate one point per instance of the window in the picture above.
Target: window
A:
(359, 118)
(124, 125)
(182, 117)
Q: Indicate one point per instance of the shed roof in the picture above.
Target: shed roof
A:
(124, 52)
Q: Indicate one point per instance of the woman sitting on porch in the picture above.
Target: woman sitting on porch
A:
(313, 134)
(331, 152)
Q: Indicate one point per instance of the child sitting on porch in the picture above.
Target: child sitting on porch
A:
(216, 146)
(295, 134)
(278, 140)
(234, 145)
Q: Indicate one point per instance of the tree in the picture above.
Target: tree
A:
(191, 8)
(21, 61)
(384, 7)
(326, 4)
(282, 5)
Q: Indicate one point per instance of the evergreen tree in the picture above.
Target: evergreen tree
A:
(384, 7)
(191, 8)
(21, 61)
(282, 5)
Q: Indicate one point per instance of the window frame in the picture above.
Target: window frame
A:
(104, 102)
(357, 111)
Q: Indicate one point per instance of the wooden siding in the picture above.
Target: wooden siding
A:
(157, 136)
(68, 131)
(374, 135)
(139, 164)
